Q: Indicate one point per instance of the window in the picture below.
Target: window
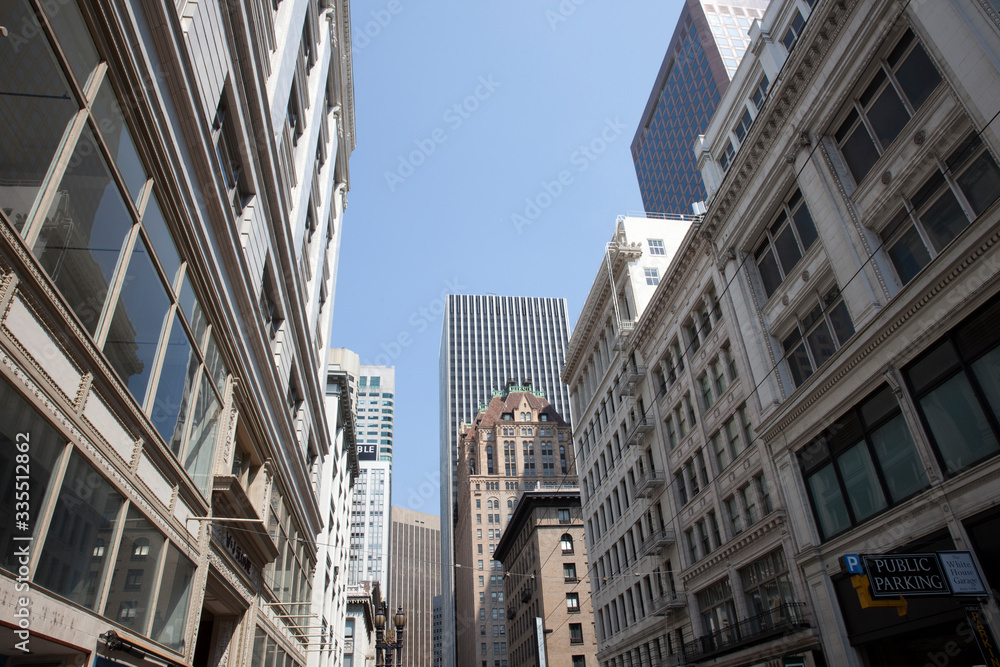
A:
(705, 386)
(865, 462)
(569, 572)
(942, 208)
(564, 516)
(957, 390)
(726, 158)
(715, 604)
(229, 161)
(572, 602)
(566, 541)
(760, 93)
(768, 590)
(733, 516)
(579, 661)
(743, 125)
(656, 247)
(788, 237)
(815, 337)
(652, 276)
(793, 32)
(575, 633)
(901, 83)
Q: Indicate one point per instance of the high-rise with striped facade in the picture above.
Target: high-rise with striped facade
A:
(415, 580)
(486, 341)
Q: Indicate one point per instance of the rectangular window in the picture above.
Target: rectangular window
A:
(743, 125)
(794, 30)
(656, 247)
(652, 276)
(866, 461)
(572, 602)
(902, 82)
(785, 241)
(760, 93)
(942, 208)
(957, 388)
(733, 515)
(575, 633)
(726, 158)
(817, 336)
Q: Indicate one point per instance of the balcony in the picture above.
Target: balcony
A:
(657, 542)
(625, 328)
(649, 483)
(669, 601)
(641, 427)
(632, 379)
(779, 621)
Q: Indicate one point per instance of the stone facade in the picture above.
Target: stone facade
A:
(172, 188)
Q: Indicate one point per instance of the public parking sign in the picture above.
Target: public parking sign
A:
(918, 575)
(893, 575)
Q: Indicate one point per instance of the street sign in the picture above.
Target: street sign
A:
(892, 575)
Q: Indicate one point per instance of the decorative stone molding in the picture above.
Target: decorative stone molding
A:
(772, 522)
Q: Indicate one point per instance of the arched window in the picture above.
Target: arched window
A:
(567, 543)
(510, 503)
(562, 458)
(489, 459)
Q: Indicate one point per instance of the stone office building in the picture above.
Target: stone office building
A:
(172, 180)
(818, 365)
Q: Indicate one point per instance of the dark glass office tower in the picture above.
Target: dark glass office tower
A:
(486, 342)
(707, 45)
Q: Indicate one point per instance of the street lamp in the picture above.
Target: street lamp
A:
(385, 647)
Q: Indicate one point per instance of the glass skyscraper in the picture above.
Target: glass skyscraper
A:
(707, 46)
(486, 342)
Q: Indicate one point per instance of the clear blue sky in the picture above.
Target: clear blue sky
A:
(492, 157)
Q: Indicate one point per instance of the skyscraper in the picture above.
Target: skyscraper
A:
(372, 503)
(707, 45)
(486, 341)
(415, 580)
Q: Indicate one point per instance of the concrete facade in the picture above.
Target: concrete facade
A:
(415, 580)
(542, 555)
(817, 365)
(172, 188)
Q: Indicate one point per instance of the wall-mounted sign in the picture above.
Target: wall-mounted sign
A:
(962, 573)
(918, 575)
(368, 452)
(226, 539)
(540, 633)
(892, 575)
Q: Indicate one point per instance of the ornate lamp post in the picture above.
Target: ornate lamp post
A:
(384, 644)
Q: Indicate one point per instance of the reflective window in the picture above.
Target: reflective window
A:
(788, 237)
(866, 461)
(85, 516)
(817, 335)
(83, 231)
(172, 601)
(36, 106)
(27, 440)
(135, 570)
(901, 84)
(956, 384)
(935, 214)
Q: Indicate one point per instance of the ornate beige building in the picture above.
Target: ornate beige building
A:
(517, 442)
